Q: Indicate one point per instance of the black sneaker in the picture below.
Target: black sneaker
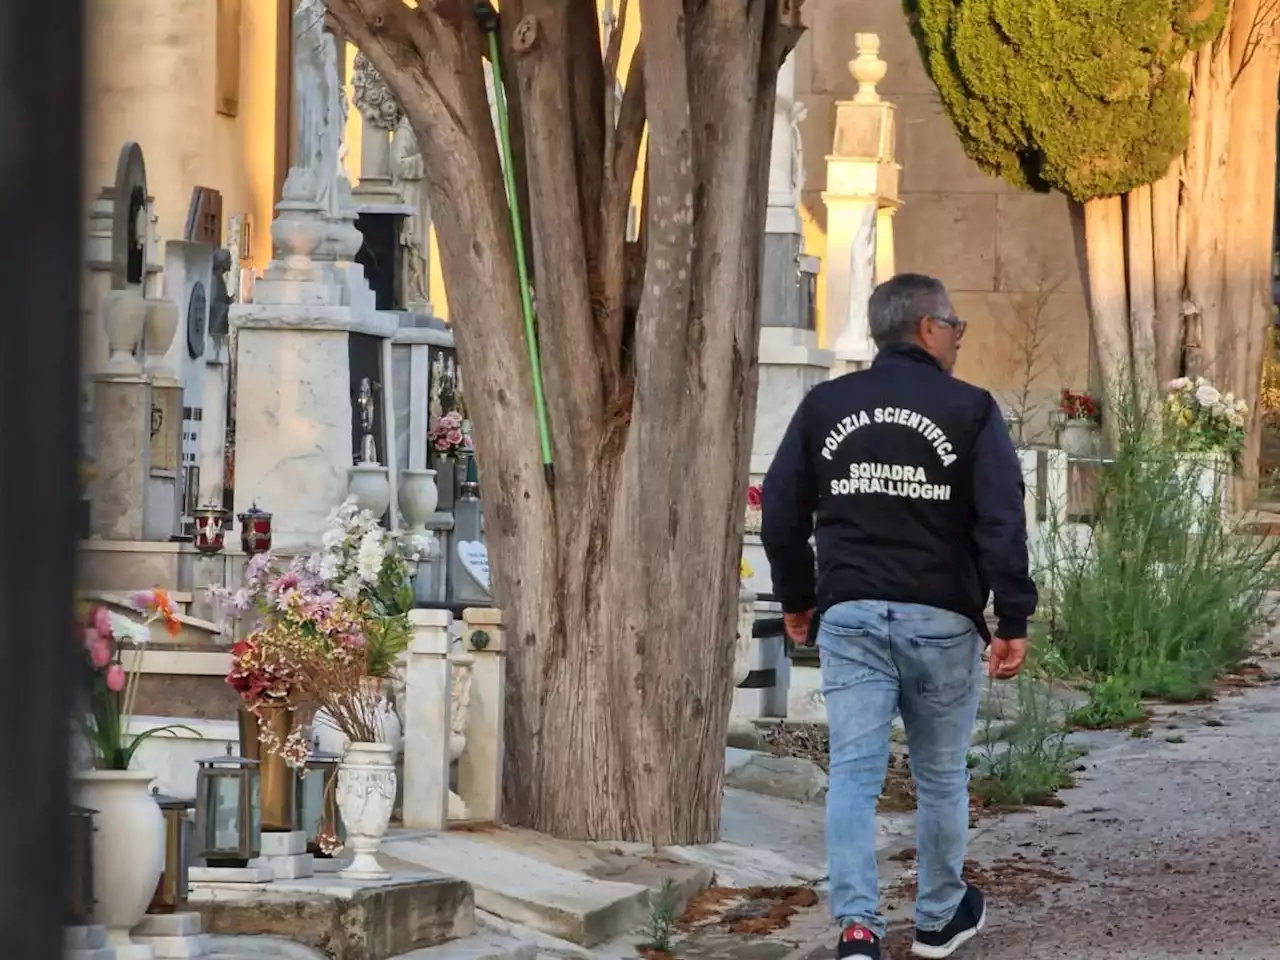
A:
(858, 941)
(970, 918)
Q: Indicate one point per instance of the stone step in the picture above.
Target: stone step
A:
(525, 890)
(328, 917)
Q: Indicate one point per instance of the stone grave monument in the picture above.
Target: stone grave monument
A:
(294, 390)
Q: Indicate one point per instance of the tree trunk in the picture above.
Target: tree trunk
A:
(618, 584)
(1142, 295)
(1169, 249)
(1108, 302)
(1250, 212)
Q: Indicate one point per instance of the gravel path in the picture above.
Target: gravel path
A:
(1167, 848)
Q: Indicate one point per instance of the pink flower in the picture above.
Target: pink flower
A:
(100, 621)
(442, 444)
(143, 599)
(99, 651)
(454, 437)
(115, 678)
(286, 581)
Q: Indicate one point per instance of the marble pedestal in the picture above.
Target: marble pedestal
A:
(285, 855)
(173, 936)
(121, 447)
(294, 413)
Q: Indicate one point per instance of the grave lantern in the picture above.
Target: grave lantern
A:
(228, 811)
(81, 903)
(255, 531)
(171, 891)
(210, 528)
(317, 800)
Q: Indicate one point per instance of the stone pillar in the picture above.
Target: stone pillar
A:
(885, 267)
(427, 725)
(480, 766)
(862, 180)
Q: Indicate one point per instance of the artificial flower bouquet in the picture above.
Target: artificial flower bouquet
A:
(449, 436)
(106, 640)
(1202, 419)
(1079, 407)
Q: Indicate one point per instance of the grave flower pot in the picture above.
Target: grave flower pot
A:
(128, 847)
(1080, 438)
(275, 775)
(418, 497)
(1206, 476)
(366, 795)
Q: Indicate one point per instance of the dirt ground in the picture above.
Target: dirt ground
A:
(1168, 847)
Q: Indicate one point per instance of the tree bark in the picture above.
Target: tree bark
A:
(1108, 303)
(618, 584)
(1169, 249)
(1142, 295)
(1251, 173)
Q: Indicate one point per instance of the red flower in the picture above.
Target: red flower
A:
(755, 496)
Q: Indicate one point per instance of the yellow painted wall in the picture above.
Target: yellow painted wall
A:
(151, 79)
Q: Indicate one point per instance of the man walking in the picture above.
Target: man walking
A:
(916, 494)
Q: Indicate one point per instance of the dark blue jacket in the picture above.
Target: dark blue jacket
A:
(910, 482)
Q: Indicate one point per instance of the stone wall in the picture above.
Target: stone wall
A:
(152, 71)
(999, 250)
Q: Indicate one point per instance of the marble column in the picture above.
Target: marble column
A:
(861, 194)
(480, 766)
(427, 723)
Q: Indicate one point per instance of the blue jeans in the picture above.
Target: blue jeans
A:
(879, 659)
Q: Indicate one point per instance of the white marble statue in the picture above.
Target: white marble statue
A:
(409, 175)
(796, 114)
(318, 175)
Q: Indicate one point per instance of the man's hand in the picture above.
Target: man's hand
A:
(797, 626)
(1006, 657)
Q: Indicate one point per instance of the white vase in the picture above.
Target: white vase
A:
(128, 847)
(419, 497)
(366, 795)
(1207, 476)
(371, 486)
(1079, 438)
(124, 316)
(161, 325)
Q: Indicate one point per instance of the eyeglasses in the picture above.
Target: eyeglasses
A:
(955, 323)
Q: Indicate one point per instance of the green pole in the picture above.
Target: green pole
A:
(517, 229)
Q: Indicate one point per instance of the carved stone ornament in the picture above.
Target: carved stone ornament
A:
(372, 97)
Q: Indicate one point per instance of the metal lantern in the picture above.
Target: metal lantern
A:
(255, 530)
(171, 891)
(210, 528)
(228, 811)
(317, 801)
(80, 905)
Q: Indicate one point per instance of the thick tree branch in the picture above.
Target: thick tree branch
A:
(622, 152)
(566, 329)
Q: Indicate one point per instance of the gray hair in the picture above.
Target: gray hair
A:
(899, 304)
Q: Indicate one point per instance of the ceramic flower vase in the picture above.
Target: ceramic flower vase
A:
(128, 847)
(366, 795)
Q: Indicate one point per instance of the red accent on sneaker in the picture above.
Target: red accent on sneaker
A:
(857, 932)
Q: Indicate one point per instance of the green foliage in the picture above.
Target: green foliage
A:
(1081, 96)
(1034, 763)
(1162, 596)
(663, 914)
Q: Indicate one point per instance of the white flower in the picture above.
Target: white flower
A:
(1237, 419)
(370, 556)
(127, 630)
(1242, 407)
(1207, 395)
(327, 570)
(1177, 384)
